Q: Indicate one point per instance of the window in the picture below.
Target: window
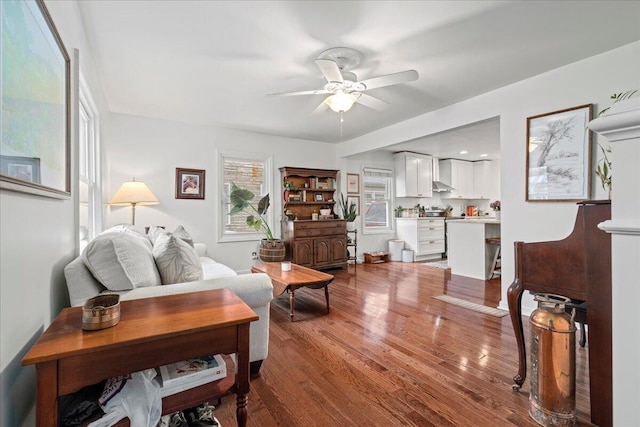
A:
(89, 194)
(248, 171)
(376, 188)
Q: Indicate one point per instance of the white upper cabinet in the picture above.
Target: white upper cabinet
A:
(470, 180)
(482, 187)
(414, 174)
(459, 175)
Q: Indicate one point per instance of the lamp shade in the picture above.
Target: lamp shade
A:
(340, 101)
(134, 192)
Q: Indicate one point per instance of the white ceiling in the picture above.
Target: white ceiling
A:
(214, 62)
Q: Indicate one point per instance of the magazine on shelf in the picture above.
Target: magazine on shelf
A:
(191, 373)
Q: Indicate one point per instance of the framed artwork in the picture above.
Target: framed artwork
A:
(356, 200)
(190, 183)
(558, 154)
(319, 197)
(353, 183)
(22, 168)
(35, 114)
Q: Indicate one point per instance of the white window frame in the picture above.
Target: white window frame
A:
(89, 170)
(389, 229)
(222, 215)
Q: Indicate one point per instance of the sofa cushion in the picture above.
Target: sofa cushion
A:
(212, 269)
(121, 261)
(128, 230)
(181, 233)
(176, 261)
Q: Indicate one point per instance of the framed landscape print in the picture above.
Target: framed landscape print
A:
(558, 153)
(35, 113)
(190, 183)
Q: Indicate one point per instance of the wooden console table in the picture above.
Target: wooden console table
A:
(152, 332)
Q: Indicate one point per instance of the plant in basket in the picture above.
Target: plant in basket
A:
(271, 249)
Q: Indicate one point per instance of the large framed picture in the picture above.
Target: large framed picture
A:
(190, 183)
(353, 183)
(558, 154)
(36, 98)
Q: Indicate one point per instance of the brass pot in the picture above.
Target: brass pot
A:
(101, 312)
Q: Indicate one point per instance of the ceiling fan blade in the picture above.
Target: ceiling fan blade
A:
(304, 92)
(329, 70)
(389, 79)
(320, 109)
(371, 102)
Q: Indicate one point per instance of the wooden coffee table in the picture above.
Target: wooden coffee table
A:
(297, 277)
(152, 332)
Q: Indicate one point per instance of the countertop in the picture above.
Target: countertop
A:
(422, 217)
(476, 220)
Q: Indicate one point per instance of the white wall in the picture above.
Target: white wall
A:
(150, 150)
(592, 80)
(38, 238)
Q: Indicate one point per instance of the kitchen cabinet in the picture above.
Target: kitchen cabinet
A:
(470, 180)
(459, 175)
(425, 236)
(414, 174)
(482, 179)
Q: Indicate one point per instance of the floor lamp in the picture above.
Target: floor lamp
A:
(133, 193)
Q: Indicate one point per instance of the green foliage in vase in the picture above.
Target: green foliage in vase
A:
(348, 210)
(241, 202)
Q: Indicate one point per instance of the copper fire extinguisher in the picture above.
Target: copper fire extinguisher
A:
(552, 400)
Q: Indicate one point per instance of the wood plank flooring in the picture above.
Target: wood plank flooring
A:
(389, 354)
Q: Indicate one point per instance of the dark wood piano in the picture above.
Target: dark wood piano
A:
(577, 267)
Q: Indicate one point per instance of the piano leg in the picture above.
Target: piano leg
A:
(514, 298)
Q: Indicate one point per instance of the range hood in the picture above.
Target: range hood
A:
(437, 185)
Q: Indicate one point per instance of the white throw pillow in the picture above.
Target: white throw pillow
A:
(121, 261)
(181, 233)
(177, 262)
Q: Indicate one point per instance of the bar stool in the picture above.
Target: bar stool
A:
(496, 264)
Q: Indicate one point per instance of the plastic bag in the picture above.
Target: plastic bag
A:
(136, 396)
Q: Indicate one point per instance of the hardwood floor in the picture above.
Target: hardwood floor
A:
(389, 354)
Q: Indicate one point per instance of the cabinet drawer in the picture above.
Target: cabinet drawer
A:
(430, 233)
(318, 232)
(319, 228)
(431, 247)
(325, 224)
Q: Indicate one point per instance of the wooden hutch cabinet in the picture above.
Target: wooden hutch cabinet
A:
(317, 243)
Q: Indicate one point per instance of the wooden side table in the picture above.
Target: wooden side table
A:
(152, 332)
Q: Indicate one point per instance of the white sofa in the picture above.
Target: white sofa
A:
(254, 289)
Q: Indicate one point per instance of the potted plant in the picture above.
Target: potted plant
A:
(271, 249)
(288, 187)
(603, 168)
(495, 205)
(349, 211)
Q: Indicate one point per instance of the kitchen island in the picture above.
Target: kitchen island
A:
(468, 252)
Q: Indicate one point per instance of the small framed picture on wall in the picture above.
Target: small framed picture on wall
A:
(353, 183)
(190, 183)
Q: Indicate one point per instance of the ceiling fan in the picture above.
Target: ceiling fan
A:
(343, 86)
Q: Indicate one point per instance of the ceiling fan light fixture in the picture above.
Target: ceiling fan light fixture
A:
(340, 101)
